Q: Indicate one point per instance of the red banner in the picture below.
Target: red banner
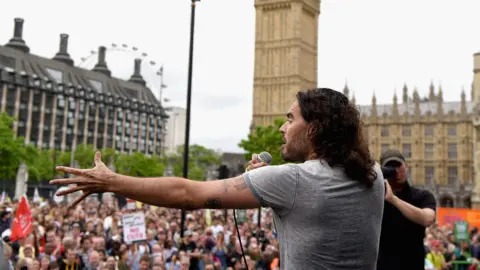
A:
(22, 224)
(450, 215)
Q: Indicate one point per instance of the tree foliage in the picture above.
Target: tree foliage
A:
(41, 162)
(138, 164)
(267, 139)
(12, 150)
(199, 159)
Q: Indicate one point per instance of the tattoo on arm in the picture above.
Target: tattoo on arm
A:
(225, 185)
(213, 203)
(240, 183)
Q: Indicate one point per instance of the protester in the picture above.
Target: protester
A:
(90, 237)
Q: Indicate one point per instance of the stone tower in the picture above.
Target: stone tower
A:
(476, 127)
(285, 55)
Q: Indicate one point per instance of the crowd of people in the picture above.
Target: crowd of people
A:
(444, 252)
(90, 237)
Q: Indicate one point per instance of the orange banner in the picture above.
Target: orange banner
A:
(450, 215)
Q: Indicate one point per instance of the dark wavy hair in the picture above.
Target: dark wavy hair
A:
(336, 132)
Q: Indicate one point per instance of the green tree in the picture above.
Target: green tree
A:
(41, 168)
(199, 159)
(138, 164)
(12, 150)
(267, 139)
(109, 155)
(83, 155)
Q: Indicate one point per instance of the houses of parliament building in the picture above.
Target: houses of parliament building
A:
(436, 138)
(58, 105)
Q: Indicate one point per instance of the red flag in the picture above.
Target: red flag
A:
(22, 224)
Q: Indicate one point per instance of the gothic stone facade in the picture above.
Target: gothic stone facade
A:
(436, 138)
(58, 105)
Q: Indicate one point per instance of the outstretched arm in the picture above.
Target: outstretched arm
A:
(272, 186)
(174, 192)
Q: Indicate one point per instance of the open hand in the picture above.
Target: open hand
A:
(388, 192)
(255, 163)
(89, 181)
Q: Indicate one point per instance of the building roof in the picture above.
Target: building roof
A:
(60, 69)
(425, 108)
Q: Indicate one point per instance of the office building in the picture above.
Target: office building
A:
(175, 133)
(58, 105)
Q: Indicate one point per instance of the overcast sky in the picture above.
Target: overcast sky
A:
(374, 45)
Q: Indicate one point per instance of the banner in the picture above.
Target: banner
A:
(448, 216)
(134, 228)
(22, 224)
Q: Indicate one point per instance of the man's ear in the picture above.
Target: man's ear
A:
(312, 130)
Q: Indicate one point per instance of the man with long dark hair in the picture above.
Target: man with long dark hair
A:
(327, 208)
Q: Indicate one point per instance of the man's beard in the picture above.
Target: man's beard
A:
(296, 150)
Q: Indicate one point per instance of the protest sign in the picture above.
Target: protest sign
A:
(134, 227)
(461, 231)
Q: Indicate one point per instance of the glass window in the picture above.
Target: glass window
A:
(429, 130)
(429, 175)
(429, 151)
(452, 130)
(406, 131)
(385, 147)
(407, 150)
(57, 75)
(452, 150)
(452, 175)
(385, 132)
(96, 85)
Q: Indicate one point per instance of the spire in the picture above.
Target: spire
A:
(416, 100)
(346, 91)
(463, 106)
(472, 94)
(440, 101)
(405, 94)
(353, 98)
(395, 105)
(374, 105)
(431, 93)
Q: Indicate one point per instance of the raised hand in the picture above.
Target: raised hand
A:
(89, 181)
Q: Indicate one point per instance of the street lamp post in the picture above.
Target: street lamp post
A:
(189, 101)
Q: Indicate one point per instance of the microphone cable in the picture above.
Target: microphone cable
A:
(262, 157)
(239, 238)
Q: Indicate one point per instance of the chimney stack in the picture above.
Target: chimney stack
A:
(62, 54)
(101, 65)
(137, 75)
(17, 41)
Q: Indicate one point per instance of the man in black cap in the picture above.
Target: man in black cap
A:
(407, 212)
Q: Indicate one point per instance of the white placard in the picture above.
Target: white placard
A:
(134, 228)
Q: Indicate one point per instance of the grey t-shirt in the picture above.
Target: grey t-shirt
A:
(324, 220)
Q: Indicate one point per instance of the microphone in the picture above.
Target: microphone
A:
(263, 157)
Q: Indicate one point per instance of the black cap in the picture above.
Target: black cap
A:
(391, 155)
